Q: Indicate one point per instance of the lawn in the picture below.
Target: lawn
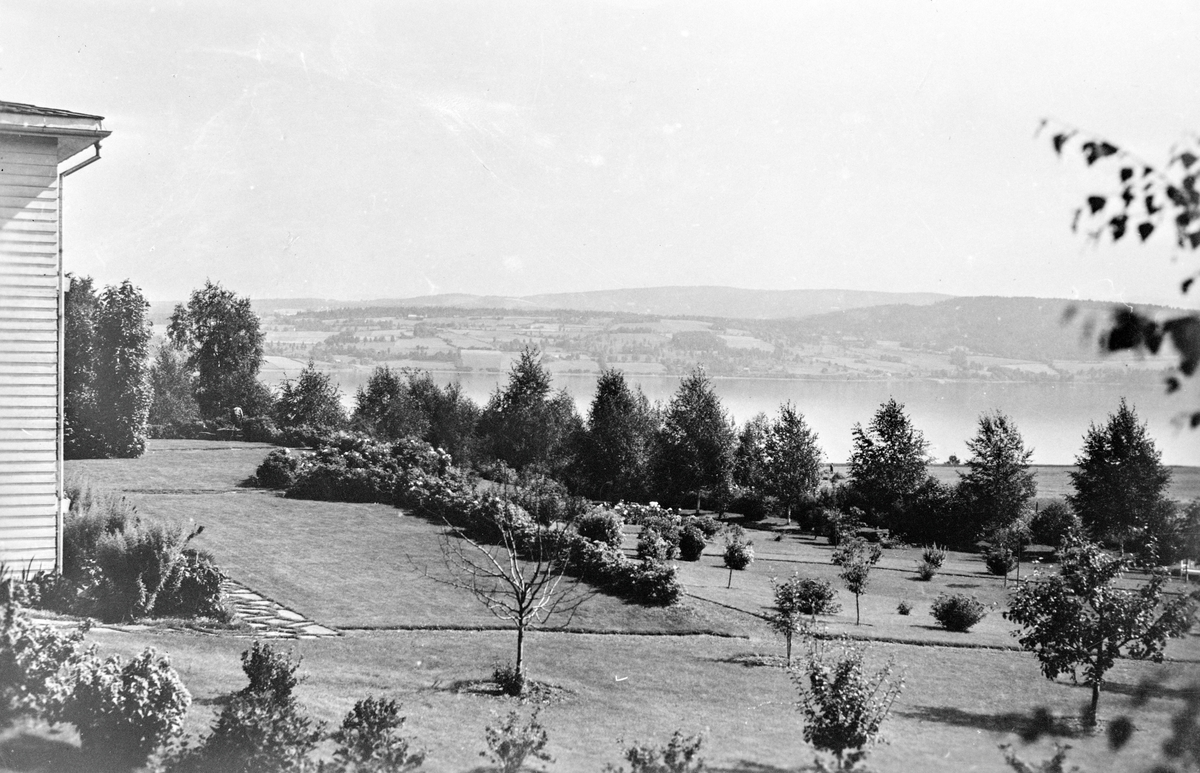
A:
(362, 568)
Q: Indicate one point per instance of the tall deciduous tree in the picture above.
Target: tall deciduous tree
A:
(792, 469)
(1120, 482)
(224, 341)
(694, 452)
(998, 485)
(1080, 617)
(613, 458)
(888, 460)
(526, 423)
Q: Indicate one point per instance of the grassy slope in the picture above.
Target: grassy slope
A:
(345, 565)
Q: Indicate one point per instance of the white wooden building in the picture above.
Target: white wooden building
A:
(38, 149)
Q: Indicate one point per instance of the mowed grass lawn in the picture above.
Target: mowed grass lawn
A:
(361, 567)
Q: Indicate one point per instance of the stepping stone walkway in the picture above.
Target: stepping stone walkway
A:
(269, 620)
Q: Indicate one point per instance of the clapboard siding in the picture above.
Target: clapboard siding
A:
(29, 298)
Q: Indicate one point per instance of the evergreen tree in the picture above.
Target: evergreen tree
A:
(694, 452)
(998, 485)
(612, 462)
(792, 459)
(888, 460)
(1121, 483)
(224, 341)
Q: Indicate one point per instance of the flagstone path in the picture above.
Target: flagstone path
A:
(269, 620)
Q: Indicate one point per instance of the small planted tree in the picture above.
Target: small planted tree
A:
(739, 551)
(787, 618)
(1080, 617)
(843, 705)
(856, 556)
(520, 579)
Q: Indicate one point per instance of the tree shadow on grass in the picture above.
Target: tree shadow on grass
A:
(1148, 689)
(32, 753)
(962, 585)
(1028, 726)
(749, 766)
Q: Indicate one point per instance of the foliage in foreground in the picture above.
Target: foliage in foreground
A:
(843, 705)
(514, 741)
(679, 755)
(1079, 617)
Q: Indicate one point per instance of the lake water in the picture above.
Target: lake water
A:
(1052, 417)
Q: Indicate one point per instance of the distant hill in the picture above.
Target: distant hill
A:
(730, 302)
(1020, 328)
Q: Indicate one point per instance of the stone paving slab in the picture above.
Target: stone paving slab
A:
(268, 619)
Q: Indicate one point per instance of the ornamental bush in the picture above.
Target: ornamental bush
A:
(958, 612)
(124, 711)
(679, 755)
(1000, 561)
(691, 543)
(278, 470)
(934, 556)
(34, 663)
(926, 571)
(369, 740)
(652, 547)
(602, 526)
(513, 742)
(815, 597)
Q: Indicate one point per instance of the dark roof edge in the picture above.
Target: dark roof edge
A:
(50, 112)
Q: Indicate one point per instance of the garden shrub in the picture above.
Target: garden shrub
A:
(133, 567)
(1054, 523)
(272, 674)
(194, 589)
(652, 583)
(958, 612)
(844, 706)
(815, 597)
(35, 660)
(904, 607)
(602, 526)
(1000, 561)
(369, 740)
(124, 711)
(691, 543)
(252, 734)
(278, 470)
(513, 742)
(680, 755)
(652, 547)
(93, 514)
(705, 523)
(739, 551)
(750, 504)
(934, 556)
(509, 679)
(926, 571)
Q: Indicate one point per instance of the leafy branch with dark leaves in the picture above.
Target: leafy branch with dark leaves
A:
(1146, 199)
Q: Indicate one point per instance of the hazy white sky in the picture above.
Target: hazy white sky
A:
(401, 148)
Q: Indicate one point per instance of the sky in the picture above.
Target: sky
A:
(367, 150)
